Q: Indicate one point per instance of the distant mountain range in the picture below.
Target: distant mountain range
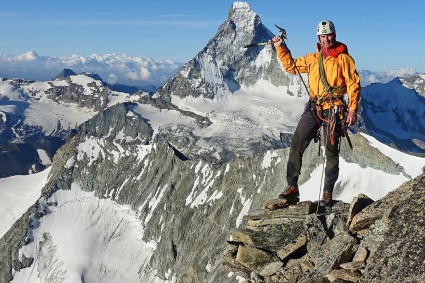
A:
(117, 69)
(114, 68)
(369, 77)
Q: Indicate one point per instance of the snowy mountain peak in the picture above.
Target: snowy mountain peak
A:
(225, 64)
(240, 5)
(223, 83)
(65, 73)
(93, 76)
(369, 77)
(240, 12)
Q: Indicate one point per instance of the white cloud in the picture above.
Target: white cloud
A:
(112, 78)
(113, 68)
(28, 56)
(144, 73)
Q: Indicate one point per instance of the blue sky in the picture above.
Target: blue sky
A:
(380, 35)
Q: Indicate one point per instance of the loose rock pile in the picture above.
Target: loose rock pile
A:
(298, 243)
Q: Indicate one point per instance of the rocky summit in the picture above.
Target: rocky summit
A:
(364, 241)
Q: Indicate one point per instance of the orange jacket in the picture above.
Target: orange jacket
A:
(339, 68)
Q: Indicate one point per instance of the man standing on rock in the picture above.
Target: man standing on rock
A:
(331, 75)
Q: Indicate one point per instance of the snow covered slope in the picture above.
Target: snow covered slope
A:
(17, 194)
(394, 113)
(55, 105)
(106, 240)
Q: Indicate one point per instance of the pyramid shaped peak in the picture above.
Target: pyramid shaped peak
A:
(64, 74)
(241, 10)
(241, 5)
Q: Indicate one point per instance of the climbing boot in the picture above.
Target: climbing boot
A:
(291, 194)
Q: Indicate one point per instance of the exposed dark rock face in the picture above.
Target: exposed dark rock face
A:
(24, 158)
(65, 73)
(96, 99)
(190, 219)
(119, 122)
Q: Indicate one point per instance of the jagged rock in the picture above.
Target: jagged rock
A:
(258, 224)
(336, 223)
(331, 254)
(316, 233)
(293, 211)
(360, 234)
(270, 237)
(313, 244)
(290, 248)
(276, 204)
(363, 220)
(353, 265)
(307, 265)
(254, 258)
(243, 236)
(291, 274)
(357, 205)
(399, 255)
(342, 274)
(374, 237)
(271, 268)
(361, 254)
(231, 263)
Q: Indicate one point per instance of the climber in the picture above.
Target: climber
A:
(331, 74)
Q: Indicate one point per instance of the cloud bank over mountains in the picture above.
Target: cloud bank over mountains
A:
(128, 70)
(113, 68)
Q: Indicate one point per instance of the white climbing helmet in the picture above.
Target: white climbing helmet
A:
(325, 27)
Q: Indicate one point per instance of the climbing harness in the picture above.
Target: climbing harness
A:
(335, 115)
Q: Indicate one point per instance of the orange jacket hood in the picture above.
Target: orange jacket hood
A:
(338, 49)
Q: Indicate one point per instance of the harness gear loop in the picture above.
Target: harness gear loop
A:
(329, 90)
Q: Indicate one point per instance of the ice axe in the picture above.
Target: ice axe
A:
(282, 35)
